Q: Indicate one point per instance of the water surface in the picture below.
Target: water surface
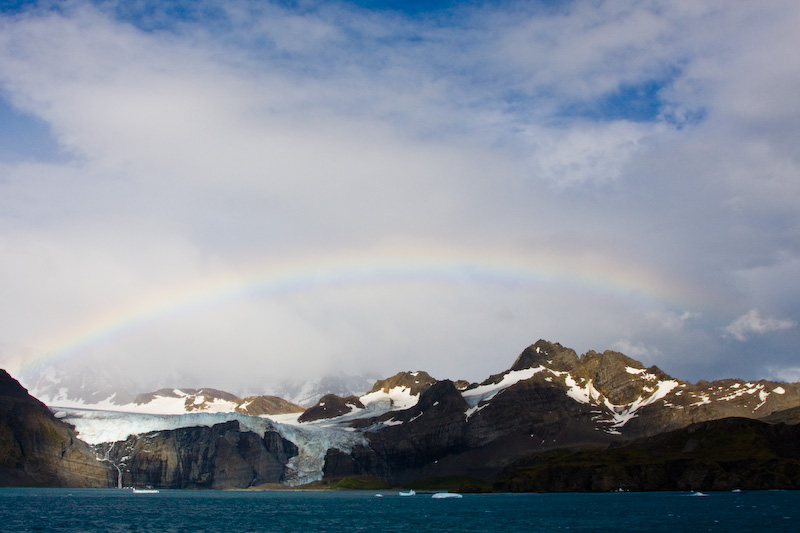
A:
(361, 511)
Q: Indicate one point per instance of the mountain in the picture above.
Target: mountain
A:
(726, 454)
(308, 392)
(36, 449)
(414, 430)
(179, 401)
(90, 385)
(76, 383)
(549, 399)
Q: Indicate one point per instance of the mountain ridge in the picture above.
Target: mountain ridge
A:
(411, 427)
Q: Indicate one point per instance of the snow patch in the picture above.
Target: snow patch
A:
(487, 392)
(622, 414)
(763, 397)
(704, 399)
(396, 399)
(472, 410)
(584, 394)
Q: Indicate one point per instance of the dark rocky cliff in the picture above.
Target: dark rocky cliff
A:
(727, 454)
(36, 449)
(217, 457)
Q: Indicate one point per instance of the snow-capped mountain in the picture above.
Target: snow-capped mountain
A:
(308, 392)
(614, 388)
(89, 385)
(79, 383)
(411, 426)
(182, 401)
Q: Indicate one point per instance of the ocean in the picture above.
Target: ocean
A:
(26, 509)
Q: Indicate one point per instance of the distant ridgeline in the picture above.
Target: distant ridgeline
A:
(552, 422)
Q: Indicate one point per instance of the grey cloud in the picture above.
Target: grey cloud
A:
(205, 150)
(753, 323)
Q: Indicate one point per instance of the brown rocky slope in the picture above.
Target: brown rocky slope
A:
(36, 449)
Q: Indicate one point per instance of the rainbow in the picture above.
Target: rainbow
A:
(369, 268)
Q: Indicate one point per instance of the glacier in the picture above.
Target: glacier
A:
(312, 441)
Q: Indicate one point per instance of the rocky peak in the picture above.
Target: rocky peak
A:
(36, 449)
(444, 395)
(11, 389)
(417, 382)
(544, 353)
(189, 394)
(616, 376)
(267, 405)
(331, 406)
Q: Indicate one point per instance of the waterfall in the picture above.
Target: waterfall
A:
(119, 475)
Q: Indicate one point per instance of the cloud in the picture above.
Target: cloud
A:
(790, 375)
(753, 322)
(258, 136)
(636, 350)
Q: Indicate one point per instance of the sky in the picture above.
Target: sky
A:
(233, 193)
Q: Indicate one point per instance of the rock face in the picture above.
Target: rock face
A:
(331, 406)
(267, 405)
(423, 434)
(398, 388)
(218, 457)
(416, 382)
(727, 454)
(36, 449)
(549, 399)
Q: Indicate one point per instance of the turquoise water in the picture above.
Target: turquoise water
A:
(194, 511)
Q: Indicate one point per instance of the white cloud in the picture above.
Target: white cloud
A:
(753, 322)
(636, 350)
(672, 321)
(788, 374)
(283, 135)
(585, 154)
